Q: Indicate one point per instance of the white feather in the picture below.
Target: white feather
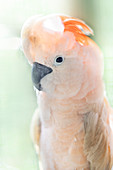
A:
(54, 24)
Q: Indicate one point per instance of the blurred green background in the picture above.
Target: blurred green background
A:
(17, 97)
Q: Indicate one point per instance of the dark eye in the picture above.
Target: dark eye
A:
(59, 60)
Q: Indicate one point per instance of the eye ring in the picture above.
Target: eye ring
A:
(58, 60)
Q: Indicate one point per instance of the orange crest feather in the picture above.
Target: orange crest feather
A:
(78, 28)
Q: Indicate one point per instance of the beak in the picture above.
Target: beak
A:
(38, 72)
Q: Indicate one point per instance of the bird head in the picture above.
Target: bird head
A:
(65, 61)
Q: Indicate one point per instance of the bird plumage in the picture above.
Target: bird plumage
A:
(73, 124)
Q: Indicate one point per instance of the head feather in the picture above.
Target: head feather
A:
(78, 28)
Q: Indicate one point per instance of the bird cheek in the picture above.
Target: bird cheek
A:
(47, 84)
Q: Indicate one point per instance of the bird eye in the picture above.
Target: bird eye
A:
(59, 60)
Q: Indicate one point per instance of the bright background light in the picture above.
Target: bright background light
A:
(17, 97)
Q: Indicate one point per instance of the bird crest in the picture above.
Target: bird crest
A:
(79, 28)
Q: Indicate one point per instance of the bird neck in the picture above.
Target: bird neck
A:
(68, 110)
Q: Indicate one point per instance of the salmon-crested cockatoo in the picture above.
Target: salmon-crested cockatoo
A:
(72, 127)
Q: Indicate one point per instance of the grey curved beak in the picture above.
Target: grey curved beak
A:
(38, 72)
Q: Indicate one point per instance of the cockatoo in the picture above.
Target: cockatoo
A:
(72, 128)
